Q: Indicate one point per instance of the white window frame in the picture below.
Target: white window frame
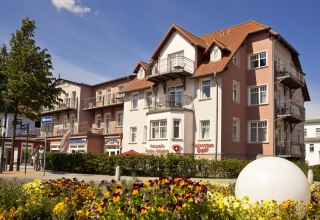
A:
(99, 95)
(202, 94)
(258, 59)
(259, 95)
(305, 132)
(202, 137)
(65, 122)
(133, 134)
(215, 54)
(118, 124)
(317, 132)
(162, 129)
(134, 101)
(236, 58)
(98, 121)
(145, 134)
(179, 127)
(147, 101)
(257, 124)
(236, 92)
(236, 128)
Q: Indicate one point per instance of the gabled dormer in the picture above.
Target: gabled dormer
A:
(140, 70)
(217, 50)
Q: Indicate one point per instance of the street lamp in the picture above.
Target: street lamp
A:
(4, 129)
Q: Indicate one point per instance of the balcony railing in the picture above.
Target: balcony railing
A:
(177, 66)
(291, 110)
(171, 101)
(67, 104)
(290, 149)
(289, 75)
(82, 128)
(102, 101)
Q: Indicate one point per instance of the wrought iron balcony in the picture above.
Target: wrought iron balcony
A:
(165, 69)
(68, 104)
(171, 101)
(106, 130)
(290, 149)
(291, 111)
(102, 101)
(289, 75)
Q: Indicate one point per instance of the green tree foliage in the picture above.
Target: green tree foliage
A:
(27, 79)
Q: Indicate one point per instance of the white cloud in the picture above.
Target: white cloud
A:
(70, 5)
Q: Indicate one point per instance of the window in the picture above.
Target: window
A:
(141, 73)
(205, 129)
(236, 129)
(108, 96)
(176, 60)
(99, 96)
(305, 133)
(133, 134)
(317, 132)
(119, 119)
(215, 54)
(65, 122)
(236, 59)
(107, 123)
(258, 60)
(145, 133)
(236, 92)
(258, 95)
(135, 99)
(176, 128)
(205, 89)
(98, 122)
(158, 129)
(148, 99)
(258, 132)
(311, 148)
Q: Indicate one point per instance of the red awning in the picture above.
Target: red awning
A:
(130, 152)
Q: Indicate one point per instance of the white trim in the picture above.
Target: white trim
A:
(238, 92)
(132, 99)
(238, 129)
(173, 126)
(200, 129)
(159, 138)
(200, 89)
(117, 113)
(237, 56)
(256, 53)
(249, 131)
(131, 141)
(258, 86)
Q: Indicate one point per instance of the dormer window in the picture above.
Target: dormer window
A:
(141, 73)
(215, 54)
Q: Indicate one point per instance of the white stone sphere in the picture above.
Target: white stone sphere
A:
(273, 178)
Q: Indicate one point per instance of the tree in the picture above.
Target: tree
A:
(28, 79)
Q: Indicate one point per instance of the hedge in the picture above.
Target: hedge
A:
(153, 165)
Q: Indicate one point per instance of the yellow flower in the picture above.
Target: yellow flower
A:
(147, 183)
(220, 205)
(135, 191)
(107, 193)
(144, 211)
(266, 202)
(116, 197)
(160, 208)
(59, 207)
(80, 213)
(118, 189)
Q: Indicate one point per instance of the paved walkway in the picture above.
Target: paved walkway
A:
(49, 174)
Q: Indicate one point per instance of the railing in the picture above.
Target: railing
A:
(290, 149)
(103, 101)
(105, 130)
(67, 104)
(292, 109)
(171, 101)
(289, 70)
(177, 64)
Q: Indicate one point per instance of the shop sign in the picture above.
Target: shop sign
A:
(176, 147)
(78, 141)
(156, 148)
(203, 148)
(111, 141)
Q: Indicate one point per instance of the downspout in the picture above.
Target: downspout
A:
(274, 98)
(217, 100)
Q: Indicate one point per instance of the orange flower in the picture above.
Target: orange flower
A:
(144, 211)
(160, 208)
(116, 197)
(118, 189)
(135, 191)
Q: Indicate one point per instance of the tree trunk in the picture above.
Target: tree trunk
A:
(14, 126)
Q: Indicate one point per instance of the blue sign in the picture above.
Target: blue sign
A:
(78, 141)
(24, 127)
(46, 119)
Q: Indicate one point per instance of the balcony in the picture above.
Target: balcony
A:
(165, 69)
(59, 130)
(290, 149)
(291, 111)
(68, 104)
(107, 130)
(103, 101)
(171, 102)
(289, 75)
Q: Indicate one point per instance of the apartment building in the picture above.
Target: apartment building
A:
(92, 114)
(312, 141)
(237, 92)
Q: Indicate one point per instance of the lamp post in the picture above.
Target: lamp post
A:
(4, 129)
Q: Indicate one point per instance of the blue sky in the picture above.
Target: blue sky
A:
(96, 40)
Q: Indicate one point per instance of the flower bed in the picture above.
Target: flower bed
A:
(163, 198)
